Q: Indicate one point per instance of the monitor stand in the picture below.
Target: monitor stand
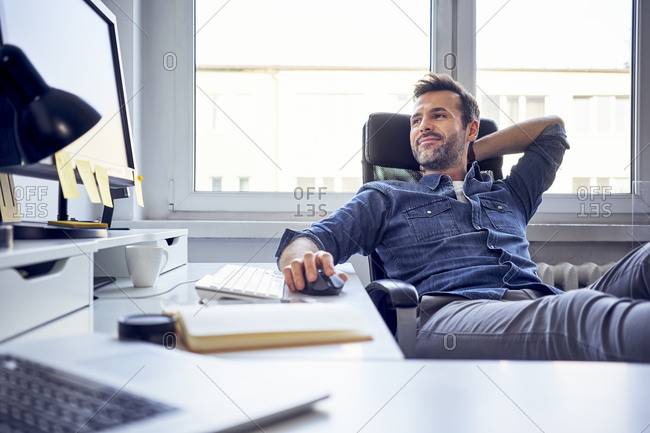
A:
(107, 215)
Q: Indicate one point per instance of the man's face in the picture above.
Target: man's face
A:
(438, 138)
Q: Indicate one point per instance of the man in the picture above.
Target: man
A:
(459, 238)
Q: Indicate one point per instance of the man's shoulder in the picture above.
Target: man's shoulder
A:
(390, 186)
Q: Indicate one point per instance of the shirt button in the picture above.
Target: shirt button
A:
(492, 246)
(429, 212)
(478, 227)
(499, 207)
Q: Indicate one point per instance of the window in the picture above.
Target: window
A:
(580, 72)
(582, 114)
(512, 111)
(289, 87)
(608, 114)
(557, 64)
(535, 106)
(490, 107)
(508, 110)
(216, 183)
(329, 183)
(622, 113)
(244, 183)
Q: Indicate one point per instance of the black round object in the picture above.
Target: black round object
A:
(324, 285)
(154, 328)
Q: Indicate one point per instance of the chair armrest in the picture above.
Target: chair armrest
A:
(397, 303)
(401, 294)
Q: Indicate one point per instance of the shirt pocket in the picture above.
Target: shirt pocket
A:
(502, 217)
(432, 221)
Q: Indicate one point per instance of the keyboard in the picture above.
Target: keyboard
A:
(242, 282)
(38, 398)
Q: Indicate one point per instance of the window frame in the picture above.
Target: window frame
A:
(452, 51)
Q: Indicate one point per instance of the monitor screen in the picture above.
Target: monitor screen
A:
(74, 46)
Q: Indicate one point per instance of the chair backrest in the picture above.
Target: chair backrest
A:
(387, 155)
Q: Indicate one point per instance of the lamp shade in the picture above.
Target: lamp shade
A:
(47, 119)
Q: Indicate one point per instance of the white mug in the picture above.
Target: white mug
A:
(144, 263)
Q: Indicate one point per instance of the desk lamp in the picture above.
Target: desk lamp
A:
(39, 120)
(46, 119)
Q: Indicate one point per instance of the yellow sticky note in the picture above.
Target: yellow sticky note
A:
(9, 211)
(86, 173)
(102, 180)
(65, 169)
(138, 189)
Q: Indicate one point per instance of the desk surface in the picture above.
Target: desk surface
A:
(42, 250)
(107, 311)
(468, 396)
(402, 396)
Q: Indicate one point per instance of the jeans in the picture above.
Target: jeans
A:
(607, 321)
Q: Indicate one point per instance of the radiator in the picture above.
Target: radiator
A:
(567, 276)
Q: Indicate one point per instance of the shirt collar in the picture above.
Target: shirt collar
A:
(475, 181)
(431, 180)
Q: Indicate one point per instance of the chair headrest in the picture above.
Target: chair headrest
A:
(387, 140)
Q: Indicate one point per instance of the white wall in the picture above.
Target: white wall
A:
(158, 113)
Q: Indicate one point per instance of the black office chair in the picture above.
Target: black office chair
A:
(387, 156)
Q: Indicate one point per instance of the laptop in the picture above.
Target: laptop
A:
(187, 392)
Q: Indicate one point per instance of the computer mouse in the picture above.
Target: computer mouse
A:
(324, 285)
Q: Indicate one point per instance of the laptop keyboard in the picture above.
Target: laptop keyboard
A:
(242, 282)
(37, 398)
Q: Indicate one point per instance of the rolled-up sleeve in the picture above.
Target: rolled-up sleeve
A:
(289, 235)
(355, 228)
(535, 171)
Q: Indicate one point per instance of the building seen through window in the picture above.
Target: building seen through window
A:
(562, 63)
(281, 100)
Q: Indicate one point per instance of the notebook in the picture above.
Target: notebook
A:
(222, 327)
(199, 393)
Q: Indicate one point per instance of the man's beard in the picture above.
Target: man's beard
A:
(444, 157)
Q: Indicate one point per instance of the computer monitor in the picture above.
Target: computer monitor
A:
(74, 46)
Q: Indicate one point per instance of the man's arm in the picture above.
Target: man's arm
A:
(301, 253)
(513, 139)
(355, 228)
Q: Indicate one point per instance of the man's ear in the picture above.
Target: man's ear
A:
(471, 132)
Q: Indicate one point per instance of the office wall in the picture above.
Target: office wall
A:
(157, 113)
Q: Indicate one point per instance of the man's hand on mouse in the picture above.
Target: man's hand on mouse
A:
(293, 273)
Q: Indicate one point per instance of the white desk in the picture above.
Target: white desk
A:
(464, 396)
(398, 396)
(107, 311)
(48, 280)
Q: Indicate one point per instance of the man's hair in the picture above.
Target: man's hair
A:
(437, 82)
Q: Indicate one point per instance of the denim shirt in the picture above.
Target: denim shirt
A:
(428, 238)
